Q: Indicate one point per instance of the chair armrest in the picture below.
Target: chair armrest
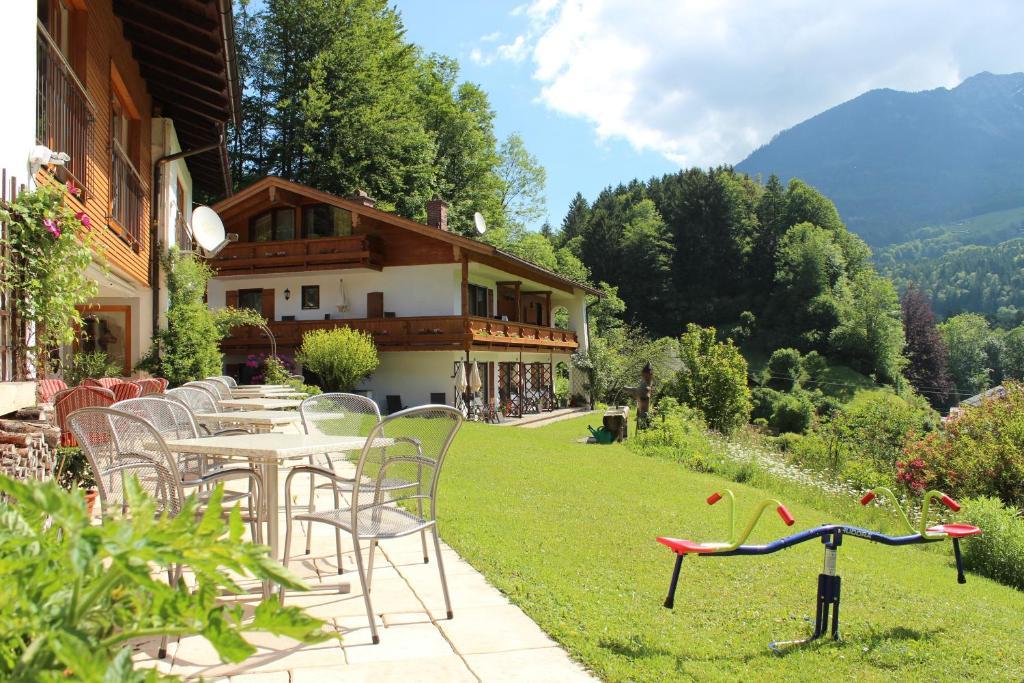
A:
(230, 432)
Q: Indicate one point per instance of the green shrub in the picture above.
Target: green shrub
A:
(73, 469)
(189, 348)
(999, 552)
(792, 413)
(763, 401)
(784, 370)
(89, 365)
(340, 357)
(713, 379)
(76, 595)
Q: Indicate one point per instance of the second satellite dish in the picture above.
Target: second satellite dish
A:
(207, 228)
(479, 222)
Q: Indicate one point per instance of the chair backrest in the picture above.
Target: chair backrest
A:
(218, 380)
(68, 401)
(409, 446)
(105, 382)
(163, 382)
(393, 403)
(219, 390)
(230, 381)
(173, 420)
(149, 386)
(126, 390)
(197, 399)
(339, 414)
(119, 445)
(46, 389)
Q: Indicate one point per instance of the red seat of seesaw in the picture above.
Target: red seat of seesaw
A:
(681, 546)
(955, 530)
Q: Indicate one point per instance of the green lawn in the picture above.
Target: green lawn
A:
(567, 531)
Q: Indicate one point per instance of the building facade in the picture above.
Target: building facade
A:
(138, 95)
(431, 299)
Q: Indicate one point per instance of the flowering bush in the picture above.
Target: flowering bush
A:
(51, 246)
(980, 453)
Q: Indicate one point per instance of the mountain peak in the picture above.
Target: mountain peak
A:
(894, 161)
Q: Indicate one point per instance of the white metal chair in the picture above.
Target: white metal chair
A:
(337, 414)
(218, 390)
(119, 445)
(173, 420)
(397, 473)
(227, 379)
(199, 401)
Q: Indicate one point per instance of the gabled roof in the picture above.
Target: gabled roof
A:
(493, 256)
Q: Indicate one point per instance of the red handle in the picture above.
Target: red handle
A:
(868, 497)
(714, 498)
(950, 503)
(784, 513)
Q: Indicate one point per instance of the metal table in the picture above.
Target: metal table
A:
(259, 403)
(260, 420)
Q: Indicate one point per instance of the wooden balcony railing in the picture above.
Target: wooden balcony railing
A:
(126, 196)
(419, 332)
(64, 112)
(487, 330)
(388, 333)
(324, 253)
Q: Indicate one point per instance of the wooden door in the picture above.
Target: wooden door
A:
(375, 304)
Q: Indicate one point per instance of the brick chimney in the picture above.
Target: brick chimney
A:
(437, 213)
(360, 197)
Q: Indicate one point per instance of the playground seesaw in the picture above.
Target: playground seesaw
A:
(831, 536)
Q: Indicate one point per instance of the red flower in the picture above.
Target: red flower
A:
(73, 189)
(52, 226)
(84, 219)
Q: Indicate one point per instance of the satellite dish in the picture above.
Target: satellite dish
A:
(479, 222)
(207, 228)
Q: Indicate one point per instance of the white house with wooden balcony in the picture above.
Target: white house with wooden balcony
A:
(430, 298)
(137, 94)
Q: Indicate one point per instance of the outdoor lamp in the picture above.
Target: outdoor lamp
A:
(287, 294)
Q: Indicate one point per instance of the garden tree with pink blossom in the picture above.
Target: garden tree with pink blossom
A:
(50, 246)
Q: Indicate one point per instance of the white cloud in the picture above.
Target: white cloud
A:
(706, 81)
(477, 56)
(490, 37)
(515, 51)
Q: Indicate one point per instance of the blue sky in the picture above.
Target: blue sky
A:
(604, 91)
(571, 152)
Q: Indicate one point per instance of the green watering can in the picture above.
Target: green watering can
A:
(601, 435)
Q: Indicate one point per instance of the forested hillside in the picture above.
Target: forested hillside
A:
(971, 266)
(894, 161)
(771, 266)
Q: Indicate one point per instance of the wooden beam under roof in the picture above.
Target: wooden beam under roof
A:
(181, 80)
(216, 107)
(165, 43)
(156, 14)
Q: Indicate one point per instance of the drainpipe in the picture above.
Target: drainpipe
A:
(154, 223)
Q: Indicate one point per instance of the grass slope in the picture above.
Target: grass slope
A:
(567, 531)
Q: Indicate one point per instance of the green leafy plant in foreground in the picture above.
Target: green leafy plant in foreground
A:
(74, 595)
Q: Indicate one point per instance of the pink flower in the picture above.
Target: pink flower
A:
(52, 227)
(84, 219)
(73, 189)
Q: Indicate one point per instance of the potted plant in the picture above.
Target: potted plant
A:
(89, 365)
(74, 472)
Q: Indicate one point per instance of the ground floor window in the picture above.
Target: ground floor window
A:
(108, 329)
(525, 388)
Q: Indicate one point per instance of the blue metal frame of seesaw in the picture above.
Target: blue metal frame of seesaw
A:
(831, 536)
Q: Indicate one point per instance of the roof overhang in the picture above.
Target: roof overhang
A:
(473, 249)
(186, 53)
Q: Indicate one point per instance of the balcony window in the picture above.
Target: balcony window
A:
(272, 226)
(64, 111)
(323, 220)
(477, 300)
(126, 188)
